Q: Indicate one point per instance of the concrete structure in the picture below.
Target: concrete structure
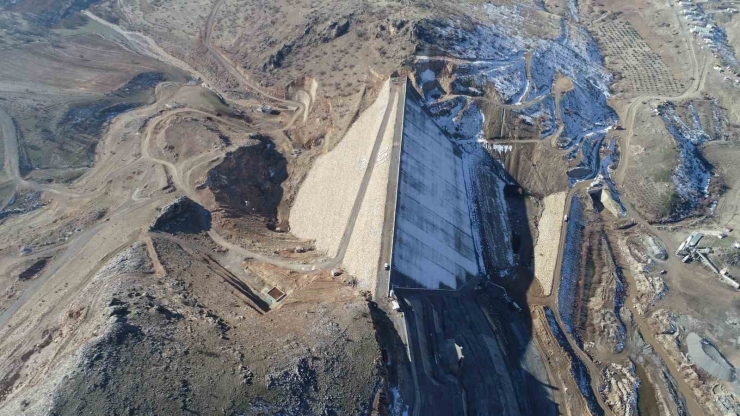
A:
(433, 245)
(276, 294)
(694, 238)
(464, 356)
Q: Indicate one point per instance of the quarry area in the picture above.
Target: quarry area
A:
(366, 207)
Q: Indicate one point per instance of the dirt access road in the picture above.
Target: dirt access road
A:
(697, 85)
(694, 89)
(237, 73)
(81, 243)
(12, 163)
(352, 220)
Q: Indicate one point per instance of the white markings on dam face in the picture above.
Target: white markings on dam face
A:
(433, 246)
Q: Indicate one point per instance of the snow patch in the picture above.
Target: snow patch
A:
(399, 408)
(691, 175)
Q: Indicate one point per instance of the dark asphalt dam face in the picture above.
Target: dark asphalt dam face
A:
(502, 372)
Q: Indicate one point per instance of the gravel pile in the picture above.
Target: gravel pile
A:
(324, 202)
(545, 252)
(363, 251)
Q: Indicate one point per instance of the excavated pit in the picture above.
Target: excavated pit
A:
(246, 187)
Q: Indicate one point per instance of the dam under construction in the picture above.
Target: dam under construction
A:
(466, 345)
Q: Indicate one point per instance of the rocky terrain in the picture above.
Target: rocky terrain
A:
(198, 205)
(177, 346)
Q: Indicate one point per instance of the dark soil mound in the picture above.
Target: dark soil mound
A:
(248, 182)
(182, 216)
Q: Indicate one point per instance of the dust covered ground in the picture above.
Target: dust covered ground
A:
(168, 237)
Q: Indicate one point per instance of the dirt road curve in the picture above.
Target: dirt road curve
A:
(698, 75)
(349, 228)
(238, 74)
(694, 89)
(180, 176)
(86, 245)
(691, 91)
